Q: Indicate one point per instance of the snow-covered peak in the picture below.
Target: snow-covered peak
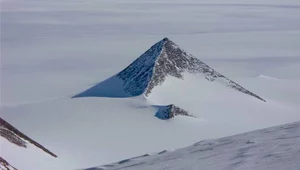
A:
(151, 69)
(139, 74)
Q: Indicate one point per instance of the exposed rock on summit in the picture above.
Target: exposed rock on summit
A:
(163, 59)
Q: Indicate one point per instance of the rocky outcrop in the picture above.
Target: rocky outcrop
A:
(164, 59)
(4, 165)
(170, 111)
(137, 76)
(16, 137)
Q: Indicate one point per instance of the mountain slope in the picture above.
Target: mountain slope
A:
(15, 137)
(88, 131)
(54, 49)
(152, 68)
(273, 148)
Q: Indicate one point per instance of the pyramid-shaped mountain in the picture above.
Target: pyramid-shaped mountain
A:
(163, 59)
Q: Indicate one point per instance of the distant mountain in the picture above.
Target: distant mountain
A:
(151, 69)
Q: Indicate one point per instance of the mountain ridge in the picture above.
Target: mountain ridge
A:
(163, 59)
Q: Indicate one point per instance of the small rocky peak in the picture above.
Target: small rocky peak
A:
(170, 111)
(165, 39)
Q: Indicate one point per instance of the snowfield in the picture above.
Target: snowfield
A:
(52, 50)
(274, 148)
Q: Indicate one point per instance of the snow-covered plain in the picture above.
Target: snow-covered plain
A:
(52, 50)
(266, 149)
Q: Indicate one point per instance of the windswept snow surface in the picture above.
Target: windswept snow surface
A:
(274, 148)
(53, 49)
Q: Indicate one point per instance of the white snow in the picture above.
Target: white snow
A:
(86, 131)
(52, 50)
(224, 109)
(267, 77)
(111, 87)
(273, 148)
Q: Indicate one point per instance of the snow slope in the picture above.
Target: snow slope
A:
(52, 50)
(89, 130)
(273, 148)
(17, 138)
(82, 131)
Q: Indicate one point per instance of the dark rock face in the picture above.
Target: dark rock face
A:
(170, 111)
(16, 137)
(11, 137)
(174, 111)
(4, 165)
(139, 73)
(164, 59)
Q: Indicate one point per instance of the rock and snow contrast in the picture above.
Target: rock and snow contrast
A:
(274, 148)
(163, 60)
(4, 165)
(152, 68)
(52, 50)
(170, 111)
(15, 137)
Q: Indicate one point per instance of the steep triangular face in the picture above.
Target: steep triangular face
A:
(163, 59)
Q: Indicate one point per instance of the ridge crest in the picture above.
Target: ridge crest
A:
(163, 59)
